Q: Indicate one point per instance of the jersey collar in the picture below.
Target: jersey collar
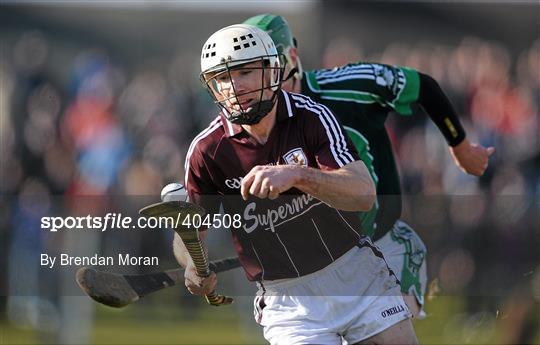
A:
(230, 129)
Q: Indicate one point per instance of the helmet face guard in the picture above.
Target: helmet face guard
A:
(225, 53)
(252, 113)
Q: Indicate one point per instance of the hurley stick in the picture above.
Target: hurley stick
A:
(179, 211)
(119, 290)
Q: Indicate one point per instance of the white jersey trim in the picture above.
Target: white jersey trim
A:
(350, 226)
(206, 132)
(258, 259)
(286, 251)
(338, 145)
(322, 240)
(296, 215)
(288, 102)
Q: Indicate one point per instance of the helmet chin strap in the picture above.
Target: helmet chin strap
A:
(291, 74)
(258, 111)
(253, 116)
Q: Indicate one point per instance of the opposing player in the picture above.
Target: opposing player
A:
(301, 182)
(362, 95)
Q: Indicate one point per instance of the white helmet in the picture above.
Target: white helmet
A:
(237, 45)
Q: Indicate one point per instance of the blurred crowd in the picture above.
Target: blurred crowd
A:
(496, 96)
(105, 129)
(485, 228)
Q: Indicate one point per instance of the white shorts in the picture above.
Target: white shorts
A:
(351, 299)
(405, 254)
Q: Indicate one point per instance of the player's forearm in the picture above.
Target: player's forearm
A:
(180, 251)
(349, 188)
(440, 110)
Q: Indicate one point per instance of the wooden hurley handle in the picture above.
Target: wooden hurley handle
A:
(195, 250)
(190, 237)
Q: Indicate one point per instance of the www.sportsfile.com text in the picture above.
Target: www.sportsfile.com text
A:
(117, 221)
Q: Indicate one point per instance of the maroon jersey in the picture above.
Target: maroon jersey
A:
(295, 234)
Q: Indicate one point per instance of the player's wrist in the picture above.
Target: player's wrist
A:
(456, 139)
(303, 176)
(462, 146)
(189, 264)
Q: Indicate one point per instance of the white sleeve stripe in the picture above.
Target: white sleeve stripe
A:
(337, 71)
(364, 73)
(401, 83)
(343, 78)
(341, 142)
(328, 134)
(340, 139)
(213, 126)
(332, 118)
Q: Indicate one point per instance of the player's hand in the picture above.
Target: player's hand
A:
(471, 158)
(198, 285)
(268, 181)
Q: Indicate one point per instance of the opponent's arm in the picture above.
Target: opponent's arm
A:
(470, 157)
(422, 89)
(349, 188)
(440, 110)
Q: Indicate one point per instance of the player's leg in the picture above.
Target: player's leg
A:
(401, 333)
(355, 297)
(379, 311)
(292, 313)
(405, 254)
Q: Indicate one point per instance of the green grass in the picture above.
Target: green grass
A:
(127, 328)
(162, 325)
(12, 335)
(162, 321)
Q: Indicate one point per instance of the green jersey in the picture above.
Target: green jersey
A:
(361, 95)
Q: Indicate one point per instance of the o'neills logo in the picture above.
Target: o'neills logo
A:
(393, 310)
(275, 217)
